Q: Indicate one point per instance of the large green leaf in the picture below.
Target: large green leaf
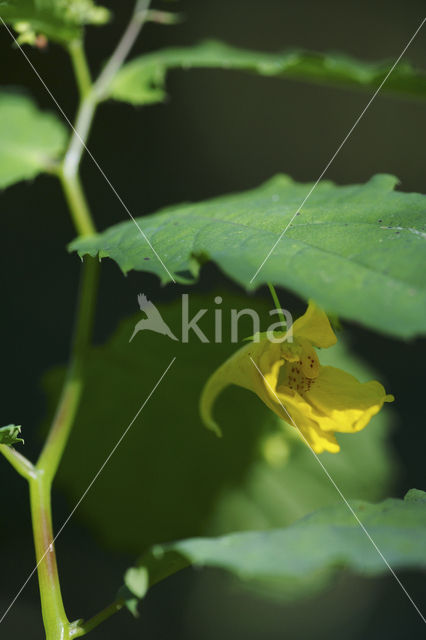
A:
(10, 435)
(30, 140)
(307, 552)
(142, 80)
(358, 250)
(172, 478)
(60, 20)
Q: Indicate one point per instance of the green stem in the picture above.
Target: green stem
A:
(40, 479)
(55, 621)
(54, 617)
(77, 204)
(81, 628)
(92, 94)
(77, 145)
(19, 462)
(122, 49)
(71, 393)
(277, 303)
(80, 66)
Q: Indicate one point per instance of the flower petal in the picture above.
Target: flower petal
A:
(293, 409)
(341, 403)
(315, 327)
(240, 370)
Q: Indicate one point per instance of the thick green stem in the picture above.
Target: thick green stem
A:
(54, 617)
(77, 145)
(55, 621)
(41, 476)
(77, 204)
(71, 393)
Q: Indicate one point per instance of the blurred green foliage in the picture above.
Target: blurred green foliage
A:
(142, 80)
(171, 478)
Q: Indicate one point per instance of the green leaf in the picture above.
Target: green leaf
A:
(172, 468)
(9, 435)
(137, 580)
(359, 251)
(158, 565)
(315, 546)
(415, 495)
(142, 80)
(59, 20)
(30, 140)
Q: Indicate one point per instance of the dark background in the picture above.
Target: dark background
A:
(220, 131)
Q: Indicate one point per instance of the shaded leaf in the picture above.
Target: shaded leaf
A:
(60, 20)
(30, 140)
(137, 581)
(142, 81)
(359, 251)
(321, 542)
(9, 435)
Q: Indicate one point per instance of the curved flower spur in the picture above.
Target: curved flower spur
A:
(289, 379)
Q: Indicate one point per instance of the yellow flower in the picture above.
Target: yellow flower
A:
(288, 377)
